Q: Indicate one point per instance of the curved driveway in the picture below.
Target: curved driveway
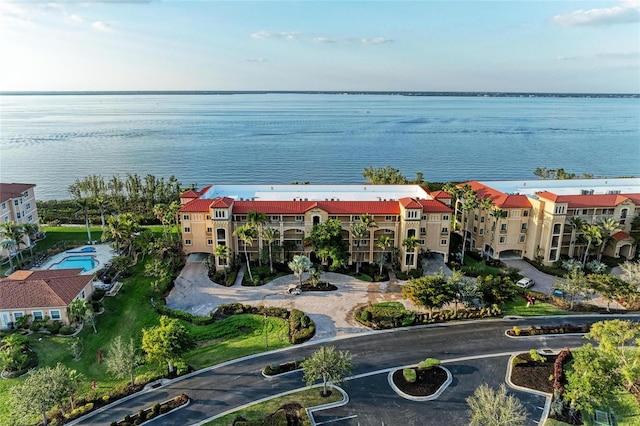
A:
(463, 345)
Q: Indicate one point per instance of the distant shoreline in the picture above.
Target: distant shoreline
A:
(323, 92)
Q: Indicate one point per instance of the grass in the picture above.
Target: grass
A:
(306, 398)
(625, 409)
(519, 307)
(126, 315)
(479, 267)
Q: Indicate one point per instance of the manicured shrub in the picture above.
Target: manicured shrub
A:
(409, 375)
(142, 415)
(66, 330)
(517, 361)
(535, 356)
(366, 316)
(429, 363)
(516, 330)
(155, 409)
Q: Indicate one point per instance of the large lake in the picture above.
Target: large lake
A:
(50, 140)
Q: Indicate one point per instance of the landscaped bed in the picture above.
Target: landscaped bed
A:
(532, 374)
(427, 382)
(548, 329)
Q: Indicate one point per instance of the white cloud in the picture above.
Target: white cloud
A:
(256, 60)
(377, 40)
(75, 19)
(103, 26)
(325, 40)
(626, 12)
(270, 34)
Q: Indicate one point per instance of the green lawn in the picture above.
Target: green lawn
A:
(126, 315)
(479, 267)
(519, 307)
(307, 398)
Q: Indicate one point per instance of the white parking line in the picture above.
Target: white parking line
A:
(337, 420)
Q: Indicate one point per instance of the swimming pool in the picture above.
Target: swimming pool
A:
(87, 263)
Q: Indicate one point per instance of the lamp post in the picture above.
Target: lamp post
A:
(266, 331)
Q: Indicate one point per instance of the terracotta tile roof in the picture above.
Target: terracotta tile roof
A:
(198, 205)
(548, 195)
(13, 190)
(189, 194)
(56, 291)
(44, 274)
(499, 198)
(222, 202)
(434, 206)
(621, 235)
(595, 200)
(441, 194)
(410, 203)
(331, 207)
(635, 198)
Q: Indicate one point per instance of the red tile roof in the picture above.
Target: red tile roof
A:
(441, 194)
(434, 206)
(500, 199)
(222, 203)
(621, 235)
(586, 201)
(199, 205)
(410, 203)
(189, 194)
(42, 289)
(331, 207)
(13, 190)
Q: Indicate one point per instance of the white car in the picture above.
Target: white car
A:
(525, 283)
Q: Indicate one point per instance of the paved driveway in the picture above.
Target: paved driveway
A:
(544, 282)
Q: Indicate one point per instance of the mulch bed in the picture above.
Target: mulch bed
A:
(427, 381)
(545, 329)
(534, 375)
(319, 287)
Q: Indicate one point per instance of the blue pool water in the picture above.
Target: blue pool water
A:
(73, 262)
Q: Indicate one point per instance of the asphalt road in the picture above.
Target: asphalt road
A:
(226, 386)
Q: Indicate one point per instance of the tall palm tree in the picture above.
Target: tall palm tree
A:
(11, 246)
(592, 235)
(455, 191)
(577, 224)
(223, 252)
(30, 230)
(269, 235)
(14, 232)
(299, 265)
(470, 202)
(384, 243)
(257, 220)
(246, 233)
(497, 214)
(83, 204)
(486, 204)
(608, 226)
(410, 244)
(116, 190)
(122, 230)
(359, 231)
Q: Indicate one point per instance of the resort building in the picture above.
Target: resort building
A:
(210, 216)
(41, 294)
(545, 219)
(18, 205)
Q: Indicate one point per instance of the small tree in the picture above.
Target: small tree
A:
(495, 408)
(122, 359)
(76, 348)
(496, 289)
(77, 309)
(13, 353)
(574, 285)
(329, 365)
(300, 265)
(431, 292)
(166, 342)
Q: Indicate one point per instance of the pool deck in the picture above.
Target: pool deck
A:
(103, 254)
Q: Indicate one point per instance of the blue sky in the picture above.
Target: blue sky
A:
(539, 46)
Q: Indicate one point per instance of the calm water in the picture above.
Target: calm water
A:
(87, 263)
(279, 138)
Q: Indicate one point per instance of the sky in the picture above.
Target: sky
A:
(499, 46)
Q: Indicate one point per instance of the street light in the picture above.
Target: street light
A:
(266, 331)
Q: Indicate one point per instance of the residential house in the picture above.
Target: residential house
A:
(18, 204)
(42, 294)
(210, 216)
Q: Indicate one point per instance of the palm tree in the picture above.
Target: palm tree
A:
(83, 208)
(269, 235)
(359, 231)
(577, 224)
(77, 309)
(497, 214)
(247, 234)
(299, 265)
(470, 203)
(30, 230)
(410, 244)
(224, 252)
(256, 220)
(486, 204)
(14, 232)
(608, 226)
(121, 229)
(455, 191)
(10, 245)
(384, 243)
(592, 234)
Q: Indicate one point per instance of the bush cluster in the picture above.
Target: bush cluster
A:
(409, 375)
(558, 370)
(301, 327)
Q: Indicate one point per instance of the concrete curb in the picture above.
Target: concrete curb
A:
(435, 395)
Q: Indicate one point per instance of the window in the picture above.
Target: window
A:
(4, 206)
(503, 227)
(502, 239)
(221, 214)
(523, 238)
(299, 231)
(37, 315)
(185, 217)
(475, 217)
(523, 227)
(17, 315)
(83, 294)
(482, 219)
(275, 218)
(388, 218)
(28, 206)
(25, 193)
(585, 212)
(208, 217)
(333, 217)
(222, 261)
(424, 217)
(411, 233)
(187, 242)
(409, 259)
(445, 217)
(299, 218)
(557, 228)
(6, 218)
(525, 213)
(187, 229)
(30, 218)
(209, 230)
(443, 242)
(475, 229)
(15, 202)
(18, 215)
(412, 214)
(423, 231)
(444, 230)
(55, 315)
(560, 209)
(388, 231)
(481, 231)
(209, 242)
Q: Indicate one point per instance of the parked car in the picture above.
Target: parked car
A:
(557, 292)
(525, 283)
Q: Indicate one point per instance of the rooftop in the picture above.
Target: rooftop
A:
(568, 186)
(316, 192)
(13, 190)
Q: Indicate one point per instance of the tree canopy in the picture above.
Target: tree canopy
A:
(329, 365)
(326, 240)
(431, 292)
(495, 408)
(166, 342)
